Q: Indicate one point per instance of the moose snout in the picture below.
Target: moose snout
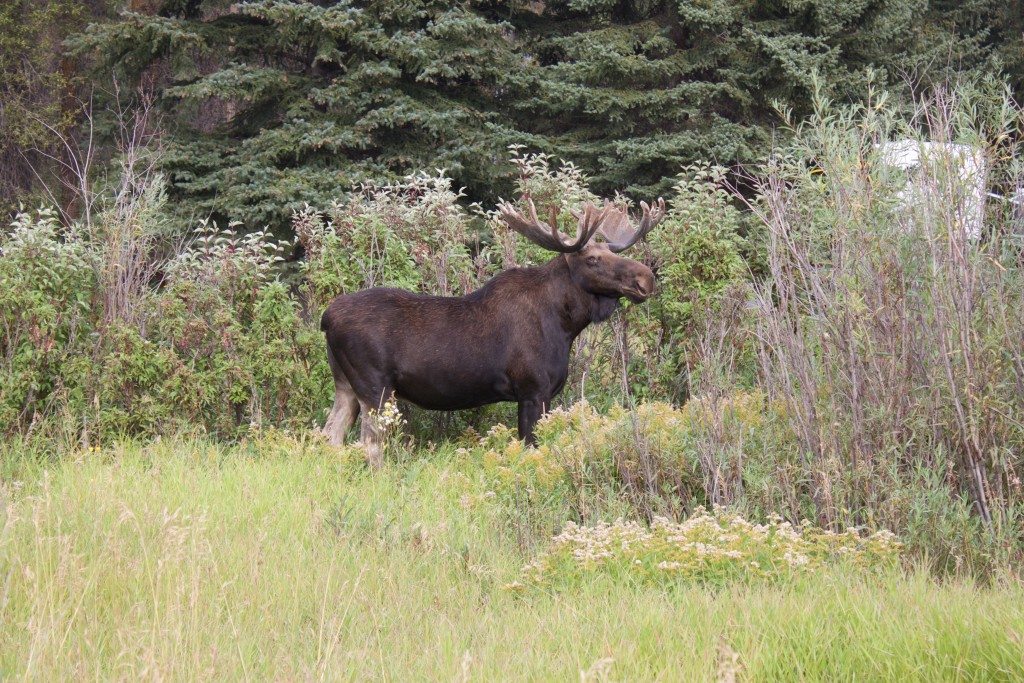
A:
(643, 286)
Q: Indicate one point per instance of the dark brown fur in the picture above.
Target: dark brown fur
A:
(507, 341)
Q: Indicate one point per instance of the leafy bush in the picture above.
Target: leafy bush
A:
(48, 288)
(697, 249)
(226, 347)
(219, 346)
(411, 234)
(697, 252)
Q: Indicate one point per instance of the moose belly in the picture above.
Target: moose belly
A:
(452, 389)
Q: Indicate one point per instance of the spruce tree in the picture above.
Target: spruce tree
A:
(275, 103)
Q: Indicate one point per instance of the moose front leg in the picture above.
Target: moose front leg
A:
(530, 410)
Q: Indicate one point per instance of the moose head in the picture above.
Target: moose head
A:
(595, 266)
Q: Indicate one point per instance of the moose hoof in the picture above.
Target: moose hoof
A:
(333, 437)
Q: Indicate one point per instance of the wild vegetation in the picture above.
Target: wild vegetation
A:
(801, 458)
(279, 557)
(863, 367)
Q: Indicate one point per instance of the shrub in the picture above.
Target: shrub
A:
(231, 345)
(697, 252)
(710, 548)
(881, 329)
(234, 265)
(649, 461)
(219, 346)
(47, 290)
(411, 234)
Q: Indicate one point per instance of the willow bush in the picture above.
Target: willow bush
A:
(882, 328)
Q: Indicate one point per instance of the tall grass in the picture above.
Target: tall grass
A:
(281, 559)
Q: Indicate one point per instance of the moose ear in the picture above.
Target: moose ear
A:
(602, 308)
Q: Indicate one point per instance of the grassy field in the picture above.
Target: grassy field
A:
(285, 560)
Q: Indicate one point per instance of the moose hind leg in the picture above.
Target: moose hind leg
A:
(370, 431)
(346, 406)
(369, 435)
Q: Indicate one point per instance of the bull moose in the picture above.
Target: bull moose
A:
(507, 341)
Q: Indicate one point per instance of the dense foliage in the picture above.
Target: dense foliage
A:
(838, 349)
(223, 341)
(219, 347)
(273, 104)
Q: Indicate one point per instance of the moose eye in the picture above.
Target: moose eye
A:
(591, 260)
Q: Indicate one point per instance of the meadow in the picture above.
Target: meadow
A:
(281, 558)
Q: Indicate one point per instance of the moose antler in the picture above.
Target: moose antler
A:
(546, 235)
(618, 230)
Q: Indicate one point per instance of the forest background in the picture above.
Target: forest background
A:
(189, 182)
